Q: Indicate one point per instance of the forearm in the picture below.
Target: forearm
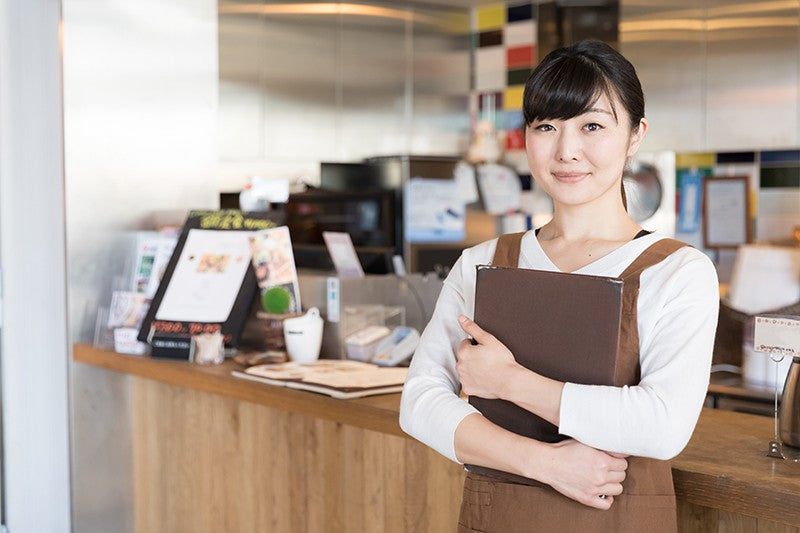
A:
(534, 393)
(577, 471)
(480, 442)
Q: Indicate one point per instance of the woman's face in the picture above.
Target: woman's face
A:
(581, 159)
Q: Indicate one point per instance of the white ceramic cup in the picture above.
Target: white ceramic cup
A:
(303, 335)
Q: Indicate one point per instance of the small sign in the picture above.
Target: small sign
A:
(343, 254)
(778, 335)
(171, 346)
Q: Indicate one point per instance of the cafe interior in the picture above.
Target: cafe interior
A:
(336, 158)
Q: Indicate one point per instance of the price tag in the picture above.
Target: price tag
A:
(779, 335)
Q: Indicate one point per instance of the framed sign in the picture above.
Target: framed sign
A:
(726, 212)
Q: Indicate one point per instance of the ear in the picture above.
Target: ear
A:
(636, 137)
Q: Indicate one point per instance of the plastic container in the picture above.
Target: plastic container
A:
(361, 344)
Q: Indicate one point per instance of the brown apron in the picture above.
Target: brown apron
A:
(647, 502)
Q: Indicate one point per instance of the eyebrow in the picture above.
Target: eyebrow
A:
(598, 110)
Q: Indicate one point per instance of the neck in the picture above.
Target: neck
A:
(604, 219)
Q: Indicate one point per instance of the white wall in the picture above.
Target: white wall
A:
(140, 106)
(32, 255)
(711, 69)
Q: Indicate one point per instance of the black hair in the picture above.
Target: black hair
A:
(569, 80)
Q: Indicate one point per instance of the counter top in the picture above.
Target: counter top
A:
(723, 466)
(377, 413)
(731, 384)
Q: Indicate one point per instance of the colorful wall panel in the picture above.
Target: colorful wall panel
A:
(504, 36)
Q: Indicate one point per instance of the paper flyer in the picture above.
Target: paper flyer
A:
(273, 261)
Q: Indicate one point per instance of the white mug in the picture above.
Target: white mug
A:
(303, 335)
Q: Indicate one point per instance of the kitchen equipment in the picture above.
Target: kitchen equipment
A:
(789, 417)
(649, 184)
(779, 336)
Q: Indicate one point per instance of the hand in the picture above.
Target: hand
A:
(483, 368)
(585, 474)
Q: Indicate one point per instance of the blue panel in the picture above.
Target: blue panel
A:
(781, 156)
(514, 120)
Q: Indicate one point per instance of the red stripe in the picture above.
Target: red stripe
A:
(520, 56)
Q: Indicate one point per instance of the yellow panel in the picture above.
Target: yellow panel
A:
(512, 98)
(491, 17)
(695, 160)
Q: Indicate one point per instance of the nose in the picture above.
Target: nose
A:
(568, 146)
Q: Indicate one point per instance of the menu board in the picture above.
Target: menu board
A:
(209, 283)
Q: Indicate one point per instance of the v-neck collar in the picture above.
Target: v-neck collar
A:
(532, 253)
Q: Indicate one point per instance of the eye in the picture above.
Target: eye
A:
(593, 126)
(544, 127)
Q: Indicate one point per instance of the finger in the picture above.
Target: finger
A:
(618, 465)
(474, 330)
(606, 502)
(462, 348)
(615, 477)
(610, 489)
(619, 455)
(600, 503)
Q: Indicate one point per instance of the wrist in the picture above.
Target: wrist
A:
(538, 459)
(514, 382)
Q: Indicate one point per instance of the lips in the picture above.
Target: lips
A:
(569, 177)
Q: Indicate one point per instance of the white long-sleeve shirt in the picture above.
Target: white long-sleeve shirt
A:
(677, 317)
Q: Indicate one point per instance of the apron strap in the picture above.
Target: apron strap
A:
(628, 371)
(654, 254)
(506, 254)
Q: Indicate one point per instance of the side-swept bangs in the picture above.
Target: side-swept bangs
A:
(563, 88)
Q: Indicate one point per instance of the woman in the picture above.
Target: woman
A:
(584, 117)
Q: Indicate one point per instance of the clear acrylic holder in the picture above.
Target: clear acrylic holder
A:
(358, 317)
(103, 335)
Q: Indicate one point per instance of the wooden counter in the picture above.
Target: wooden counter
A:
(377, 413)
(252, 457)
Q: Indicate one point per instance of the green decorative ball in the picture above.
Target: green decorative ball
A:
(276, 300)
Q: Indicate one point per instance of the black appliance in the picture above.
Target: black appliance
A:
(369, 216)
(364, 199)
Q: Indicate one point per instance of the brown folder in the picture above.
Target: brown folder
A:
(560, 325)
